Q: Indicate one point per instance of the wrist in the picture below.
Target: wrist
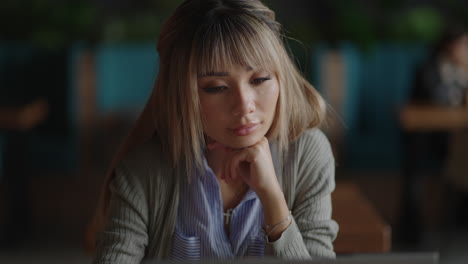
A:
(277, 216)
(273, 232)
(274, 206)
(270, 192)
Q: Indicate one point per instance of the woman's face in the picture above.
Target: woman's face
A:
(238, 105)
(459, 51)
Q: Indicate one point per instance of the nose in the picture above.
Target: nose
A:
(243, 101)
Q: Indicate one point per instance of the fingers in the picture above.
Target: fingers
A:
(241, 164)
(237, 164)
(231, 172)
(233, 167)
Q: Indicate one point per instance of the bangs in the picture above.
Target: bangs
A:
(234, 40)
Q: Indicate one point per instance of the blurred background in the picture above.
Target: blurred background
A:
(75, 74)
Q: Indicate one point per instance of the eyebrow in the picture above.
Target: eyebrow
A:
(213, 74)
(209, 74)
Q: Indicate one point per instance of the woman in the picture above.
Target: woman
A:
(224, 161)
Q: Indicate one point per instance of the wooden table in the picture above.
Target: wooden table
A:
(362, 230)
(433, 118)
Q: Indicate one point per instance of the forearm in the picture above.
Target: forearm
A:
(276, 212)
(309, 237)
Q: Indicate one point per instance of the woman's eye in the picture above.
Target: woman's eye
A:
(258, 81)
(215, 89)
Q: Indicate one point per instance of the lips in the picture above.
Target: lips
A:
(245, 130)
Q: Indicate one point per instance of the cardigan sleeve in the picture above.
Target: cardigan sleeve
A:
(312, 231)
(125, 237)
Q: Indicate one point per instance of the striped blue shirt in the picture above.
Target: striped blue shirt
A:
(200, 232)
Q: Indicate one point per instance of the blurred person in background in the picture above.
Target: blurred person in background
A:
(15, 124)
(23, 118)
(34, 105)
(226, 160)
(456, 72)
(443, 81)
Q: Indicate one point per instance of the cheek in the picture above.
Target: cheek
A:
(270, 100)
(211, 111)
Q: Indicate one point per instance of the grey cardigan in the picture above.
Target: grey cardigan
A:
(145, 198)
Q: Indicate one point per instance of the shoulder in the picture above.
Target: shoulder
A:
(313, 136)
(309, 163)
(308, 171)
(146, 162)
(312, 148)
(145, 153)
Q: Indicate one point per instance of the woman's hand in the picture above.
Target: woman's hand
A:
(253, 165)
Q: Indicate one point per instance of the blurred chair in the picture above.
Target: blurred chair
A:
(125, 75)
(374, 85)
(362, 229)
(120, 80)
(34, 83)
(117, 82)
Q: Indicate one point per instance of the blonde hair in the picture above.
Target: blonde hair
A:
(202, 37)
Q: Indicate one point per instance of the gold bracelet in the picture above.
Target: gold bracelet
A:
(273, 227)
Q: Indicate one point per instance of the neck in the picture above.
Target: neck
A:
(215, 159)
